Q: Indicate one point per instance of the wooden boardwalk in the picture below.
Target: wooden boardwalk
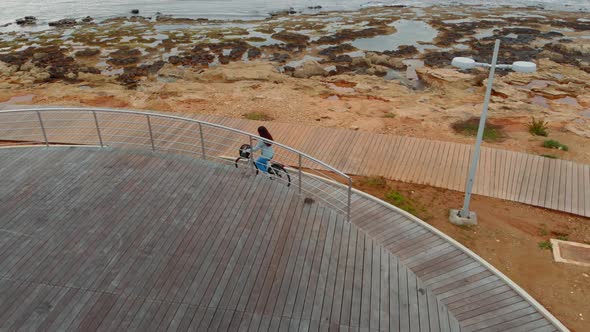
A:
(108, 239)
(549, 183)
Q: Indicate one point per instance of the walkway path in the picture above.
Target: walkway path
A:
(550, 183)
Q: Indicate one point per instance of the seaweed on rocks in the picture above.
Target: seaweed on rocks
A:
(88, 52)
(335, 50)
(403, 51)
(254, 53)
(347, 34)
(291, 37)
(124, 56)
(66, 22)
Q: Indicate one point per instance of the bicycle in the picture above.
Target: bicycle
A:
(274, 169)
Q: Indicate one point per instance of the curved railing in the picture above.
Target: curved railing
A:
(173, 134)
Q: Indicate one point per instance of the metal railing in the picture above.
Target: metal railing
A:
(172, 134)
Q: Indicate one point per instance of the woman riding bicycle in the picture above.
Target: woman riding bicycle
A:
(267, 152)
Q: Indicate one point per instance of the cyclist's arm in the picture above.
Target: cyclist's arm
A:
(258, 146)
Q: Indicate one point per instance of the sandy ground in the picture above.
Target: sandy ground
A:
(508, 237)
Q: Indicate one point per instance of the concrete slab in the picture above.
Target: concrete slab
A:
(571, 252)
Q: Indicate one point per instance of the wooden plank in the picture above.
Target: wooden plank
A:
(570, 193)
(403, 299)
(587, 190)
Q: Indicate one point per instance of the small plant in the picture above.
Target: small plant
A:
(545, 245)
(543, 232)
(258, 116)
(538, 127)
(491, 133)
(550, 156)
(562, 237)
(374, 181)
(390, 115)
(399, 200)
(553, 144)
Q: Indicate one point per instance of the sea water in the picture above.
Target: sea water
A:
(50, 10)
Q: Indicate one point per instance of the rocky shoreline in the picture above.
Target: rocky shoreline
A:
(359, 63)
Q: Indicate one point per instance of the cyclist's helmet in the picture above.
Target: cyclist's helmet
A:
(244, 151)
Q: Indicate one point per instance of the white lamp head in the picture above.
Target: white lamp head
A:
(524, 67)
(463, 63)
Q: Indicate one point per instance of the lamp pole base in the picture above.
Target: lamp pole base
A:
(456, 219)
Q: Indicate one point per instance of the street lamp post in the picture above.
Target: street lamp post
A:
(464, 216)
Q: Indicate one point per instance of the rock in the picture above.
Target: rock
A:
(280, 57)
(309, 69)
(403, 51)
(552, 92)
(89, 52)
(444, 77)
(93, 78)
(40, 55)
(584, 100)
(27, 66)
(580, 128)
(314, 7)
(339, 109)
(71, 76)
(87, 19)
(7, 86)
(6, 69)
(377, 59)
(135, 11)
(360, 62)
(171, 71)
(27, 20)
(66, 22)
(377, 70)
(235, 72)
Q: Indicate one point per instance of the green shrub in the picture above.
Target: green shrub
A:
(553, 144)
(374, 181)
(538, 127)
(390, 115)
(545, 245)
(396, 198)
(258, 116)
(491, 133)
(550, 156)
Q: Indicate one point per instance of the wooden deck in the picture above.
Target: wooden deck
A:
(549, 183)
(108, 239)
(554, 184)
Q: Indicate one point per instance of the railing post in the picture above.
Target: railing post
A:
(43, 129)
(202, 142)
(251, 161)
(149, 122)
(349, 196)
(97, 129)
(300, 174)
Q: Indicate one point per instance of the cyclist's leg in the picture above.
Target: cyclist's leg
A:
(262, 164)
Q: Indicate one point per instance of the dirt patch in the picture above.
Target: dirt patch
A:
(508, 236)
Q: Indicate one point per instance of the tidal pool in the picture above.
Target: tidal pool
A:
(409, 32)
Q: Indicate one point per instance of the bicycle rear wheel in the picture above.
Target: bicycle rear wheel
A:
(281, 173)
